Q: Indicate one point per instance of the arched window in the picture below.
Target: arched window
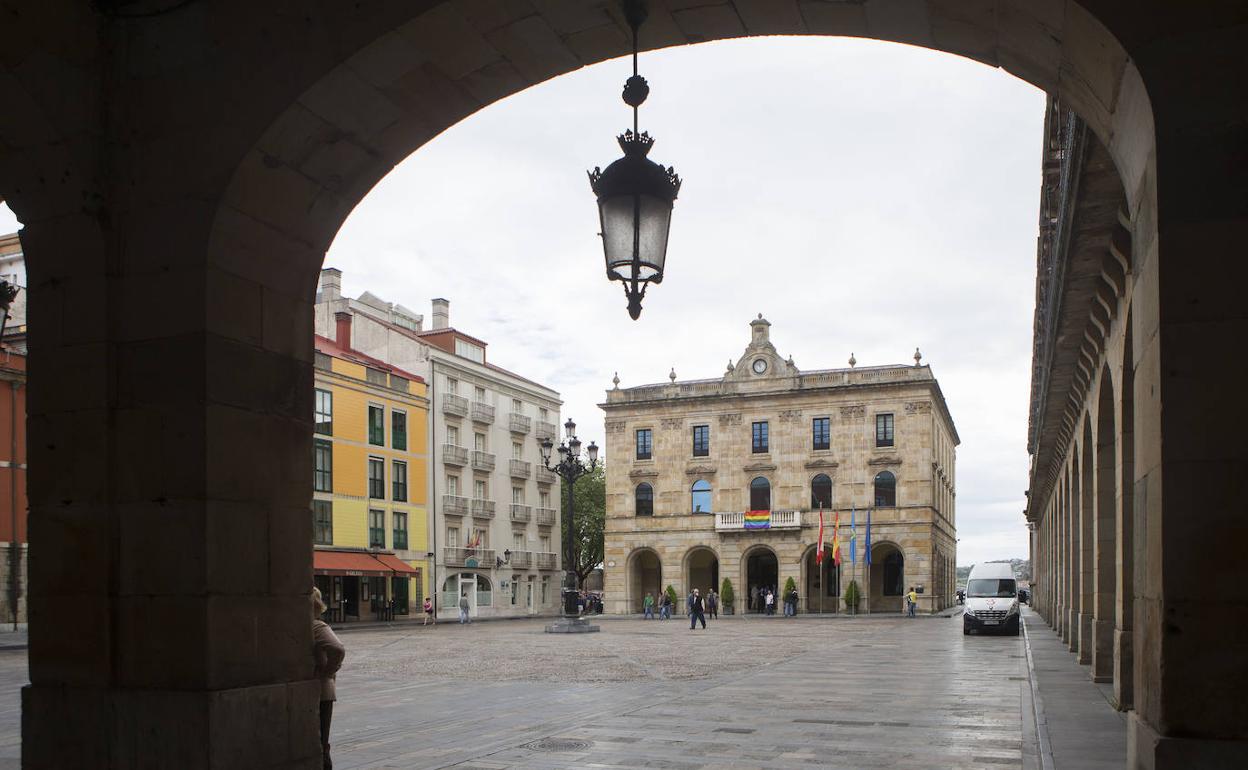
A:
(701, 496)
(645, 500)
(885, 489)
(760, 494)
(483, 583)
(820, 492)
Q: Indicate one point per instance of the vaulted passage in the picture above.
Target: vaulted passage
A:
(176, 213)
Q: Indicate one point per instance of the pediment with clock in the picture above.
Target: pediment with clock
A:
(760, 360)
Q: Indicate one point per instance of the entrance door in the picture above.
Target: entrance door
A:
(351, 597)
(529, 595)
(761, 572)
(468, 587)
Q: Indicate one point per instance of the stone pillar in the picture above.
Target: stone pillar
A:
(1087, 551)
(1076, 553)
(170, 484)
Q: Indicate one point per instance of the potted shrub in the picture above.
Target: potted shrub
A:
(852, 596)
(726, 596)
(789, 587)
(671, 592)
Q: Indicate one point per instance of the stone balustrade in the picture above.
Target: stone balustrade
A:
(521, 513)
(546, 560)
(454, 505)
(545, 517)
(482, 461)
(481, 558)
(521, 469)
(482, 509)
(454, 405)
(483, 413)
(735, 520)
(454, 455)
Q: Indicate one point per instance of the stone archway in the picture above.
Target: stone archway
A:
(821, 583)
(701, 569)
(888, 577)
(760, 568)
(645, 575)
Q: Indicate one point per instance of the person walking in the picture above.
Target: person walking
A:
(665, 609)
(754, 606)
(327, 654)
(912, 599)
(770, 600)
(429, 613)
(648, 605)
(697, 610)
(463, 609)
(793, 603)
(712, 603)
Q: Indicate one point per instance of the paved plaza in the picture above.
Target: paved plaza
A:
(745, 693)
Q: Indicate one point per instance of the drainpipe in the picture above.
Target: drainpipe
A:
(433, 482)
(15, 546)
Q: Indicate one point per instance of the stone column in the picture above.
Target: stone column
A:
(1087, 555)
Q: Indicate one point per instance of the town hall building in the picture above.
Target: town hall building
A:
(686, 461)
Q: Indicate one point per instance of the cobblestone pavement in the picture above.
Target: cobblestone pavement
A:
(758, 693)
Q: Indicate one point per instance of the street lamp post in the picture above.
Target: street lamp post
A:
(570, 467)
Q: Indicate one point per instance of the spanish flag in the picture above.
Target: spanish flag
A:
(836, 540)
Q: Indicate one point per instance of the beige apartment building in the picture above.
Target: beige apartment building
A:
(689, 459)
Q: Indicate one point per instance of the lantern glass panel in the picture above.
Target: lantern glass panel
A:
(656, 219)
(617, 234)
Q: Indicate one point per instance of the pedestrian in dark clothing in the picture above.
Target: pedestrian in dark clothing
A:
(697, 610)
(712, 603)
(665, 609)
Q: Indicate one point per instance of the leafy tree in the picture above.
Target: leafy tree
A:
(671, 592)
(589, 496)
(852, 596)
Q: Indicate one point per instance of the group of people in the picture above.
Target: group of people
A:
(697, 606)
(763, 599)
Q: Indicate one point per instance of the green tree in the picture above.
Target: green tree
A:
(589, 496)
(725, 593)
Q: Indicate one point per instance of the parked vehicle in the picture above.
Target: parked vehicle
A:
(991, 599)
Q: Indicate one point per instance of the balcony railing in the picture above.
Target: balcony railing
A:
(521, 512)
(546, 560)
(454, 505)
(519, 423)
(456, 405)
(779, 520)
(482, 461)
(482, 412)
(546, 430)
(521, 469)
(481, 558)
(545, 476)
(521, 559)
(454, 455)
(482, 509)
(545, 517)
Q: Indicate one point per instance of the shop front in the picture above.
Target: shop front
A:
(363, 585)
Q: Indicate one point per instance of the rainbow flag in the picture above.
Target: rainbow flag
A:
(758, 519)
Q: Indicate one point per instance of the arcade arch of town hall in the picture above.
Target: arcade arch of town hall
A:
(181, 167)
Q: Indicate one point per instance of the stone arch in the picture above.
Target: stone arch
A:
(1125, 529)
(644, 569)
(1106, 531)
(700, 568)
(888, 576)
(821, 584)
(760, 565)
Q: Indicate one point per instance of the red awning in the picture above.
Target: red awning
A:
(348, 563)
(396, 564)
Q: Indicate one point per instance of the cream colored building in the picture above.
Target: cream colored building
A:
(688, 459)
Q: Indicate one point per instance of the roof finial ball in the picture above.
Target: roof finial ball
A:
(852, 361)
(672, 374)
(918, 357)
(616, 381)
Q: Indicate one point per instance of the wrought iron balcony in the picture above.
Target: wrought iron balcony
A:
(779, 520)
(454, 455)
(545, 476)
(482, 461)
(482, 412)
(546, 560)
(454, 405)
(521, 559)
(479, 558)
(482, 509)
(545, 517)
(546, 430)
(519, 423)
(521, 512)
(454, 505)
(521, 469)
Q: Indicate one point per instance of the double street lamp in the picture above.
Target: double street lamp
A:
(570, 467)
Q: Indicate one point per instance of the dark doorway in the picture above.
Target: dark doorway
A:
(761, 571)
(823, 583)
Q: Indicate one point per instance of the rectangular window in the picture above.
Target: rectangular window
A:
(323, 419)
(400, 481)
(545, 543)
(760, 442)
(398, 430)
(375, 376)
(479, 393)
(470, 351)
(883, 430)
(701, 440)
(377, 478)
(322, 465)
(376, 425)
(480, 538)
(478, 489)
(543, 498)
(645, 444)
(517, 406)
(820, 430)
(452, 435)
(452, 386)
(517, 541)
(400, 531)
(376, 529)
(517, 450)
(452, 485)
(543, 414)
(545, 590)
(322, 522)
(517, 495)
(452, 537)
(478, 442)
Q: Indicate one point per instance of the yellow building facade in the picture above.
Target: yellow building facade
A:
(369, 511)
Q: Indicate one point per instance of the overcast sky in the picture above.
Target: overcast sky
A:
(865, 197)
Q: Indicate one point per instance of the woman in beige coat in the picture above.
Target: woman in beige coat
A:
(328, 653)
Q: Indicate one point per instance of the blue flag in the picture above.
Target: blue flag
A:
(853, 537)
(867, 551)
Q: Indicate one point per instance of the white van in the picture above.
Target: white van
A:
(991, 599)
